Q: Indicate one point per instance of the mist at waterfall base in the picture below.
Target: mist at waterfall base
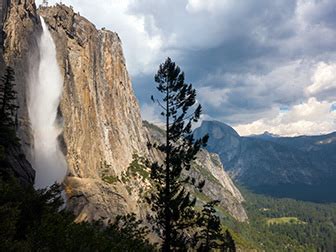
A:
(46, 84)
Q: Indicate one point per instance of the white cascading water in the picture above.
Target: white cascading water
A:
(46, 87)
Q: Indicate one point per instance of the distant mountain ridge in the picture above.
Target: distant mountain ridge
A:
(265, 135)
(301, 167)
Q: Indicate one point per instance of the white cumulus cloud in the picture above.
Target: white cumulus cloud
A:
(151, 113)
(324, 81)
(212, 6)
(312, 118)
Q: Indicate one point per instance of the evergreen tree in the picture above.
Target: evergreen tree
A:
(8, 105)
(132, 229)
(210, 226)
(211, 235)
(171, 203)
(33, 221)
(229, 244)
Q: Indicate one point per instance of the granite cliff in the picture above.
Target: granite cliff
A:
(103, 136)
(102, 123)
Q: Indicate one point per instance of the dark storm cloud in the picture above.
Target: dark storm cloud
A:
(269, 48)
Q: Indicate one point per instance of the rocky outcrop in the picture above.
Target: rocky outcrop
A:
(223, 140)
(218, 184)
(3, 14)
(13, 161)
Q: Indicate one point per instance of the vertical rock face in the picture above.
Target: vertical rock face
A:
(218, 184)
(3, 14)
(101, 114)
(102, 124)
(13, 162)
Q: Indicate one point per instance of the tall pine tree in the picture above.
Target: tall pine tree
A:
(8, 105)
(172, 204)
(211, 235)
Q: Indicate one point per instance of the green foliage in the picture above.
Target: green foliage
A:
(8, 136)
(8, 141)
(138, 167)
(319, 219)
(33, 221)
(318, 233)
(8, 110)
(8, 105)
(284, 220)
(211, 235)
(110, 179)
(171, 202)
(132, 230)
(106, 177)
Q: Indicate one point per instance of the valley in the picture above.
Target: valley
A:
(286, 224)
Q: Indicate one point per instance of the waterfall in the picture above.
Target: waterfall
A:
(46, 85)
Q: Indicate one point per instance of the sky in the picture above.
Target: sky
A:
(257, 65)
